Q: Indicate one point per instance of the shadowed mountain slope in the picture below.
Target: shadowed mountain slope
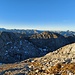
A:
(19, 47)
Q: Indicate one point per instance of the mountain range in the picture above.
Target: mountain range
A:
(31, 52)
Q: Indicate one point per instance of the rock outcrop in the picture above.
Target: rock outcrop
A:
(49, 41)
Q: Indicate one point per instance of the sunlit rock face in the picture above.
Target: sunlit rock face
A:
(49, 40)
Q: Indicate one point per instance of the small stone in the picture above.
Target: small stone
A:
(29, 66)
(70, 73)
(37, 71)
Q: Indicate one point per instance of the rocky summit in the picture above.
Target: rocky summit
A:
(49, 40)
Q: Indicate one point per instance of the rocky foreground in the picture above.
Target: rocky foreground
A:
(59, 62)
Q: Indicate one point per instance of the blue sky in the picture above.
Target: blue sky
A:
(37, 14)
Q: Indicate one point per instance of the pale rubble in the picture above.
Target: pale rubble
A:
(62, 55)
